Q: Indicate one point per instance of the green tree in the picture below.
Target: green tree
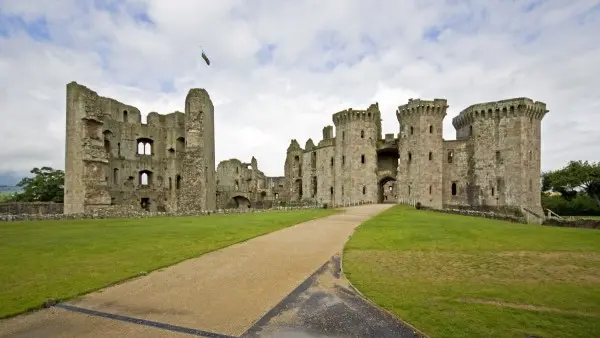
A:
(576, 176)
(47, 185)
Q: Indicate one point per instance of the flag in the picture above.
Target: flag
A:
(206, 59)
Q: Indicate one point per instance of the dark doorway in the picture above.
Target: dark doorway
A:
(145, 203)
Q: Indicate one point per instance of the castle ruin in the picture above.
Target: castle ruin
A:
(494, 161)
(113, 160)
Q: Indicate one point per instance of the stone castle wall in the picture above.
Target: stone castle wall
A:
(112, 158)
(495, 160)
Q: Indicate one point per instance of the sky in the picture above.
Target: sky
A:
(280, 69)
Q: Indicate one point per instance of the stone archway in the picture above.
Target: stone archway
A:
(241, 202)
(387, 190)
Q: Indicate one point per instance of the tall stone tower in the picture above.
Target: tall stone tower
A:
(86, 160)
(504, 139)
(420, 165)
(198, 189)
(357, 132)
(293, 171)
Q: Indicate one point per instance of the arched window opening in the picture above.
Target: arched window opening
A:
(178, 182)
(493, 191)
(450, 156)
(453, 188)
(116, 176)
(332, 161)
(343, 160)
(362, 159)
(431, 129)
(362, 134)
(125, 117)
(430, 155)
(343, 135)
(409, 190)
(236, 185)
(119, 149)
(471, 130)
(145, 178)
(364, 190)
(412, 130)
(107, 136)
(144, 146)
(430, 190)
(409, 156)
(170, 184)
(107, 146)
(331, 191)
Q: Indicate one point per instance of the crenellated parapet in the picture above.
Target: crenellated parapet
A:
(515, 107)
(294, 146)
(422, 107)
(350, 115)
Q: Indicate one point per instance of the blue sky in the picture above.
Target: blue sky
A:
(280, 69)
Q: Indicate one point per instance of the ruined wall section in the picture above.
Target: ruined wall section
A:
(357, 132)
(293, 171)
(143, 160)
(86, 161)
(455, 171)
(504, 141)
(420, 166)
(309, 171)
(198, 186)
(326, 166)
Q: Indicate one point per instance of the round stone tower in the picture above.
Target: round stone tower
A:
(357, 132)
(420, 163)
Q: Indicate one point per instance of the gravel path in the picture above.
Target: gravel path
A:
(224, 292)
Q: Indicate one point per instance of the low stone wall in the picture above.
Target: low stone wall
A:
(477, 213)
(573, 223)
(17, 208)
(132, 212)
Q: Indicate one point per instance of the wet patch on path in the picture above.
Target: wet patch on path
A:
(325, 305)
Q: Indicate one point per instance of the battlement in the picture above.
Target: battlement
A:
(346, 116)
(422, 107)
(514, 107)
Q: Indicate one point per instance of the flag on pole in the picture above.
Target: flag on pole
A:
(205, 59)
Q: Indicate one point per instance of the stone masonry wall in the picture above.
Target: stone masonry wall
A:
(112, 158)
(15, 208)
(495, 160)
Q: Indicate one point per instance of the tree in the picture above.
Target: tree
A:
(47, 185)
(576, 176)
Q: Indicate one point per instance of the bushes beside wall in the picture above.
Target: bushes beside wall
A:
(580, 205)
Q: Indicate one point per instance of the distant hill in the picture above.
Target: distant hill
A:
(6, 189)
(10, 179)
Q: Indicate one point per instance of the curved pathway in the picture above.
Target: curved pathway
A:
(220, 294)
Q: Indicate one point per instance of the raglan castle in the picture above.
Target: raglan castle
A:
(114, 160)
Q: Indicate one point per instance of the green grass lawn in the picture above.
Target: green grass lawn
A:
(459, 276)
(62, 259)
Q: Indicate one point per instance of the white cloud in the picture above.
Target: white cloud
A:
(485, 51)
